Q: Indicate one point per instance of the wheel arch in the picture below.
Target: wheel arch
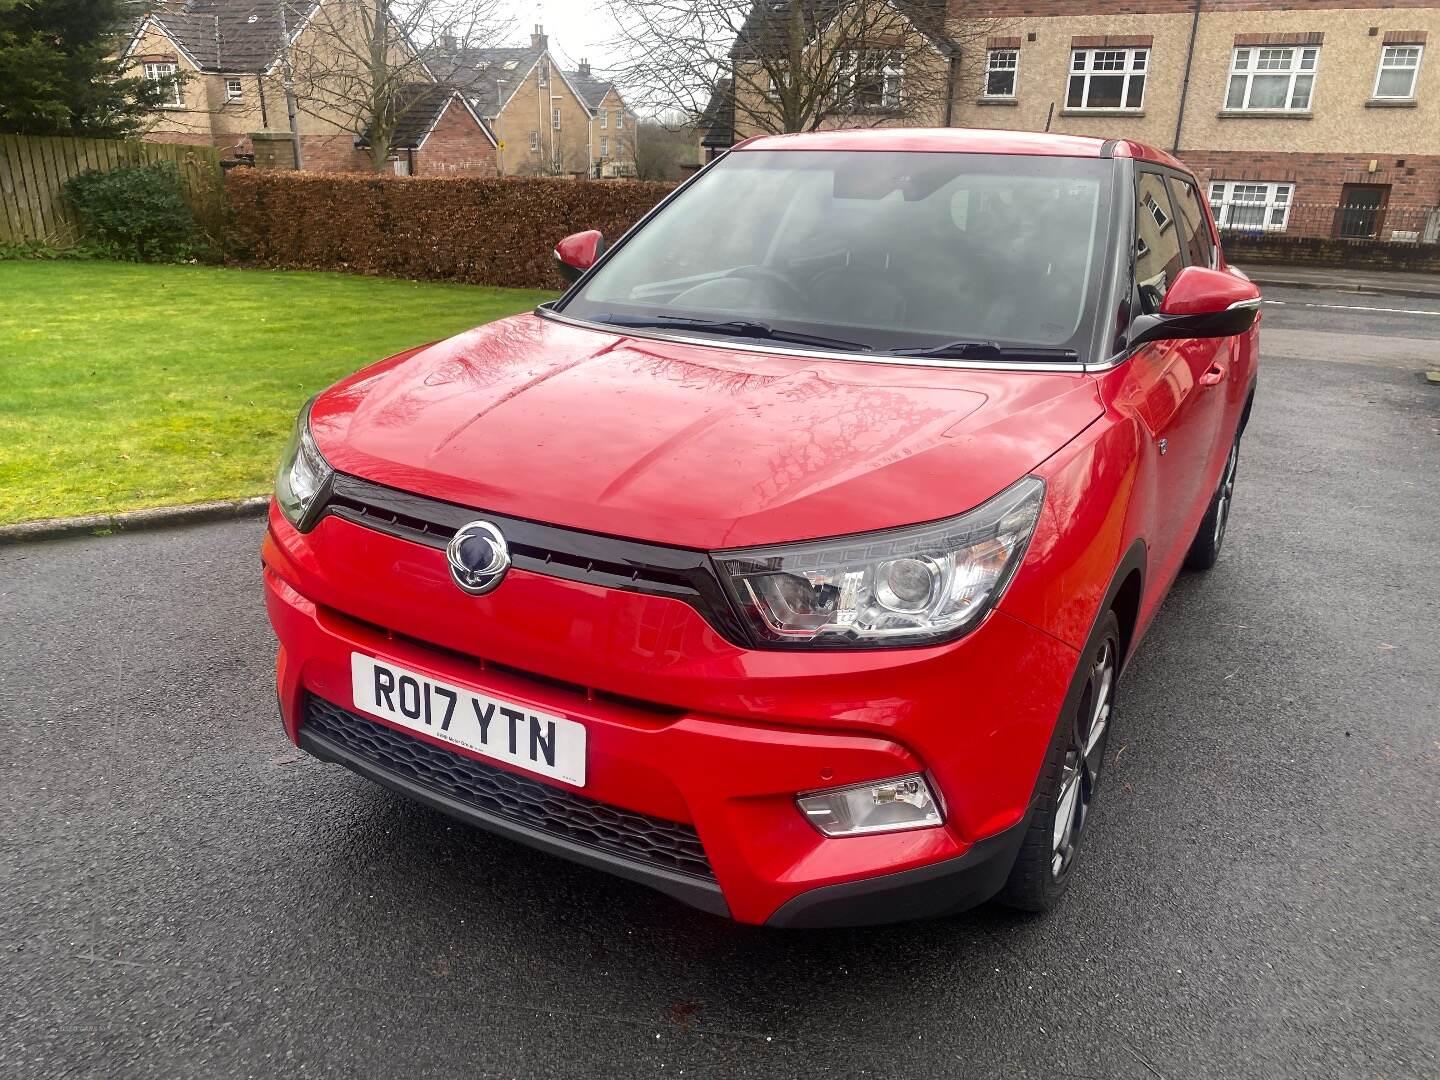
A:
(1124, 595)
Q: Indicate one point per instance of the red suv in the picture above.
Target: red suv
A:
(787, 563)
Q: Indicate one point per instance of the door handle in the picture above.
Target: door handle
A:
(1214, 376)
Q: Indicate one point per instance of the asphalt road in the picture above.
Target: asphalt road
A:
(183, 894)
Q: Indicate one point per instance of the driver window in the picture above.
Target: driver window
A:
(1157, 242)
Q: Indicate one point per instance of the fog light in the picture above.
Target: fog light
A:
(881, 806)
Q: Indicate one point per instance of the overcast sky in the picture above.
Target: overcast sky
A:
(578, 29)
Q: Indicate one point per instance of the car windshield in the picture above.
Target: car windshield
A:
(885, 250)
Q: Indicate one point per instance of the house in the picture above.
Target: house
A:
(1319, 119)
(612, 126)
(231, 55)
(548, 121)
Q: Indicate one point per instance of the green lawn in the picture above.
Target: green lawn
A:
(127, 386)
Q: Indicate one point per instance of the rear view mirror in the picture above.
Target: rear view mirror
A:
(577, 253)
(1202, 303)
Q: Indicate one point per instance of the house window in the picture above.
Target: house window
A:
(1399, 66)
(871, 78)
(604, 145)
(166, 73)
(1107, 78)
(555, 119)
(1272, 79)
(604, 119)
(1251, 206)
(619, 119)
(535, 141)
(1001, 67)
(234, 90)
(544, 75)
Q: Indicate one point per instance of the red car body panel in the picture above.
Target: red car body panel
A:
(694, 445)
(710, 447)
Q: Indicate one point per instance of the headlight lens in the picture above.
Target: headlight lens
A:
(304, 472)
(905, 586)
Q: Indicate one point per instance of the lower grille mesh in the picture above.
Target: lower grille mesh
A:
(645, 839)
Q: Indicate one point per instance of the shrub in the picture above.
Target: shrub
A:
(484, 231)
(137, 213)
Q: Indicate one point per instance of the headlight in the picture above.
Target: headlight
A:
(304, 472)
(909, 586)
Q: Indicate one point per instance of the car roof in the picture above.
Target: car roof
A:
(961, 141)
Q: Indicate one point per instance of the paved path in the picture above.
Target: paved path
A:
(1365, 281)
(184, 895)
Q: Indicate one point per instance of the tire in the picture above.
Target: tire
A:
(1205, 548)
(1068, 781)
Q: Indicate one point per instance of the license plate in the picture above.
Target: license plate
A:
(534, 741)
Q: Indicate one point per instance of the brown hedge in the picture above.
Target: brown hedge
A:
(484, 231)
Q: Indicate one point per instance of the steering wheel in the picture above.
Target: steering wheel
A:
(770, 276)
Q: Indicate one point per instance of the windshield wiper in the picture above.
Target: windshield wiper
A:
(990, 350)
(742, 328)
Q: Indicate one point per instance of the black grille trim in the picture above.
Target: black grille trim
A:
(668, 846)
(682, 574)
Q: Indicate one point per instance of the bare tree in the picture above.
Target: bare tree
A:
(798, 65)
(362, 59)
(661, 146)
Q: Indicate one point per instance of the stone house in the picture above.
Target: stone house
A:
(547, 120)
(229, 54)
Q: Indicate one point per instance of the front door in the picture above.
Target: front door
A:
(1362, 211)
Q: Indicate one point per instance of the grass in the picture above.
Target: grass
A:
(125, 386)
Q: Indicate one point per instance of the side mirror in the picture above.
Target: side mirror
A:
(577, 253)
(1201, 303)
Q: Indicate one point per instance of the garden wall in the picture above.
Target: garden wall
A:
(1337, 254)
(484, 231)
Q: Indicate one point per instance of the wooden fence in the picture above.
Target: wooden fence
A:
(34, 168)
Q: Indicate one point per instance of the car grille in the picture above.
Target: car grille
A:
(611, 562)
(645, 839)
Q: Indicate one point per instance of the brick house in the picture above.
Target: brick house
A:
(1310, 117)
(548, 121)
(229, 53)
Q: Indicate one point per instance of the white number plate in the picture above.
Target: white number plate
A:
(535, 741)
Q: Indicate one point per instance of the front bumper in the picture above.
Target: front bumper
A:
(762, 727)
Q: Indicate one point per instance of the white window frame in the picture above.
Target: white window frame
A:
(1390, 52)
(604, 119)
(555, 118)
(619, 119)
(1272, 197)
(1134, 64)
(1004, 61)
(1158, 212)
(234, 89)
(604, 146)
(535, 142)
(542, 74)
(162, 71)
(1246, 61)
(892, 79)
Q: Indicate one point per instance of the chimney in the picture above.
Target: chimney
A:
(585, 68)
(538, 39)
(447, 42)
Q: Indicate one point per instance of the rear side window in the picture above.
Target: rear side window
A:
(1157, 241)
(1195, 231)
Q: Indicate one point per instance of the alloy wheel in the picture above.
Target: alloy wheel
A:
(1227, 489)
(1083, 758)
